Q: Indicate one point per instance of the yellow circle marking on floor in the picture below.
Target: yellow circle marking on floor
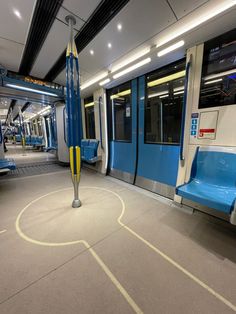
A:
(104, 267)
(107, 271)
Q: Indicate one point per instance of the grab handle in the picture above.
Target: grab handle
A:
(181, 153)
(100, 120)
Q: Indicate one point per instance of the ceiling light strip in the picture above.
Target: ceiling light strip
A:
(132, 68)
(31, 90)
(199, 19)
(128, 60)
(93, 81)
(170, 48)
(106, 81)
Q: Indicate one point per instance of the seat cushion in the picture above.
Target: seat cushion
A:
(217, 197)
(7, 163)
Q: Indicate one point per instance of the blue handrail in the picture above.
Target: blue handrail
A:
(181, 153)
(100, 120)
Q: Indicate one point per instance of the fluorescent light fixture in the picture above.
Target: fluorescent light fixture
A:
(94, 80)
(17, 13)
(109, 45)
(179, 93)
(132, 68)
(158, 94)
(120, 94)
(104, 82)
(130, 60)
(90, 104)
(164, 96)
(206, 13)
(213, 76)
(214, 81)
(119, 26)
(37, 91)
(167, 78)
(170, 48)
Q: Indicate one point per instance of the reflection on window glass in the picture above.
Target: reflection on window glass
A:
(163, 109)
(121, 113)
(218, 85)
(89, 118)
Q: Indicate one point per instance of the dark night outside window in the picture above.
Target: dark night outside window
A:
(218, 84)
(121, 113)
(164, 100)
(89, 118)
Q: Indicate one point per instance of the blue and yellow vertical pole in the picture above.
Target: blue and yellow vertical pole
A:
(73, 108)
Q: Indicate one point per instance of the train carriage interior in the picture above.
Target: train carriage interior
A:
(117, 156)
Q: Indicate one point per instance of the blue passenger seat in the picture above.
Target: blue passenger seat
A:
(89, 150)
(7, 164)
(213, 179)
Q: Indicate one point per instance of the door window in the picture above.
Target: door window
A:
(89, 118)
(218, 84)
(163, 107)
(120, 108)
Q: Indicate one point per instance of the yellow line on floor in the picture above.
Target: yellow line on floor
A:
(3, 231)
(174, 263)
(113, 279)
(104, 267)
(116, 283)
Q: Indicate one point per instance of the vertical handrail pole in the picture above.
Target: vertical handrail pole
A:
(73, 108)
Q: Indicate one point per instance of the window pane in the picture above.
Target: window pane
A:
(163, 110)
(121, 113)
(89, 118)
(218, 85)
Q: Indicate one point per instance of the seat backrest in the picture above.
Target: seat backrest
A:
(94, 144)
(215, 167)
(84, 142)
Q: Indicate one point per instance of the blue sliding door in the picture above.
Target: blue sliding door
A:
(122, 111)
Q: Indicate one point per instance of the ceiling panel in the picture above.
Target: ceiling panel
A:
(54, 45)
(12, 27)
(10, 54)
(134, 32)
(62, 15)
(184, 7)
(81, 8)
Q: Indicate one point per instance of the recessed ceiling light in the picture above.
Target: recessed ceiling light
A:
(109, 45)
(119, 27)
(17, 13)
(92, 52)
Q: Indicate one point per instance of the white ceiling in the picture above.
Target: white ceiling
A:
(144, 24)
(58, 36)
(13, 31)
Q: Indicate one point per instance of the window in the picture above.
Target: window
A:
(121, 113)
(89, 118)
(164, 99)
(218, 84)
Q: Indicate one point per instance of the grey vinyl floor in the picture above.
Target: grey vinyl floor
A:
(123, 251)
